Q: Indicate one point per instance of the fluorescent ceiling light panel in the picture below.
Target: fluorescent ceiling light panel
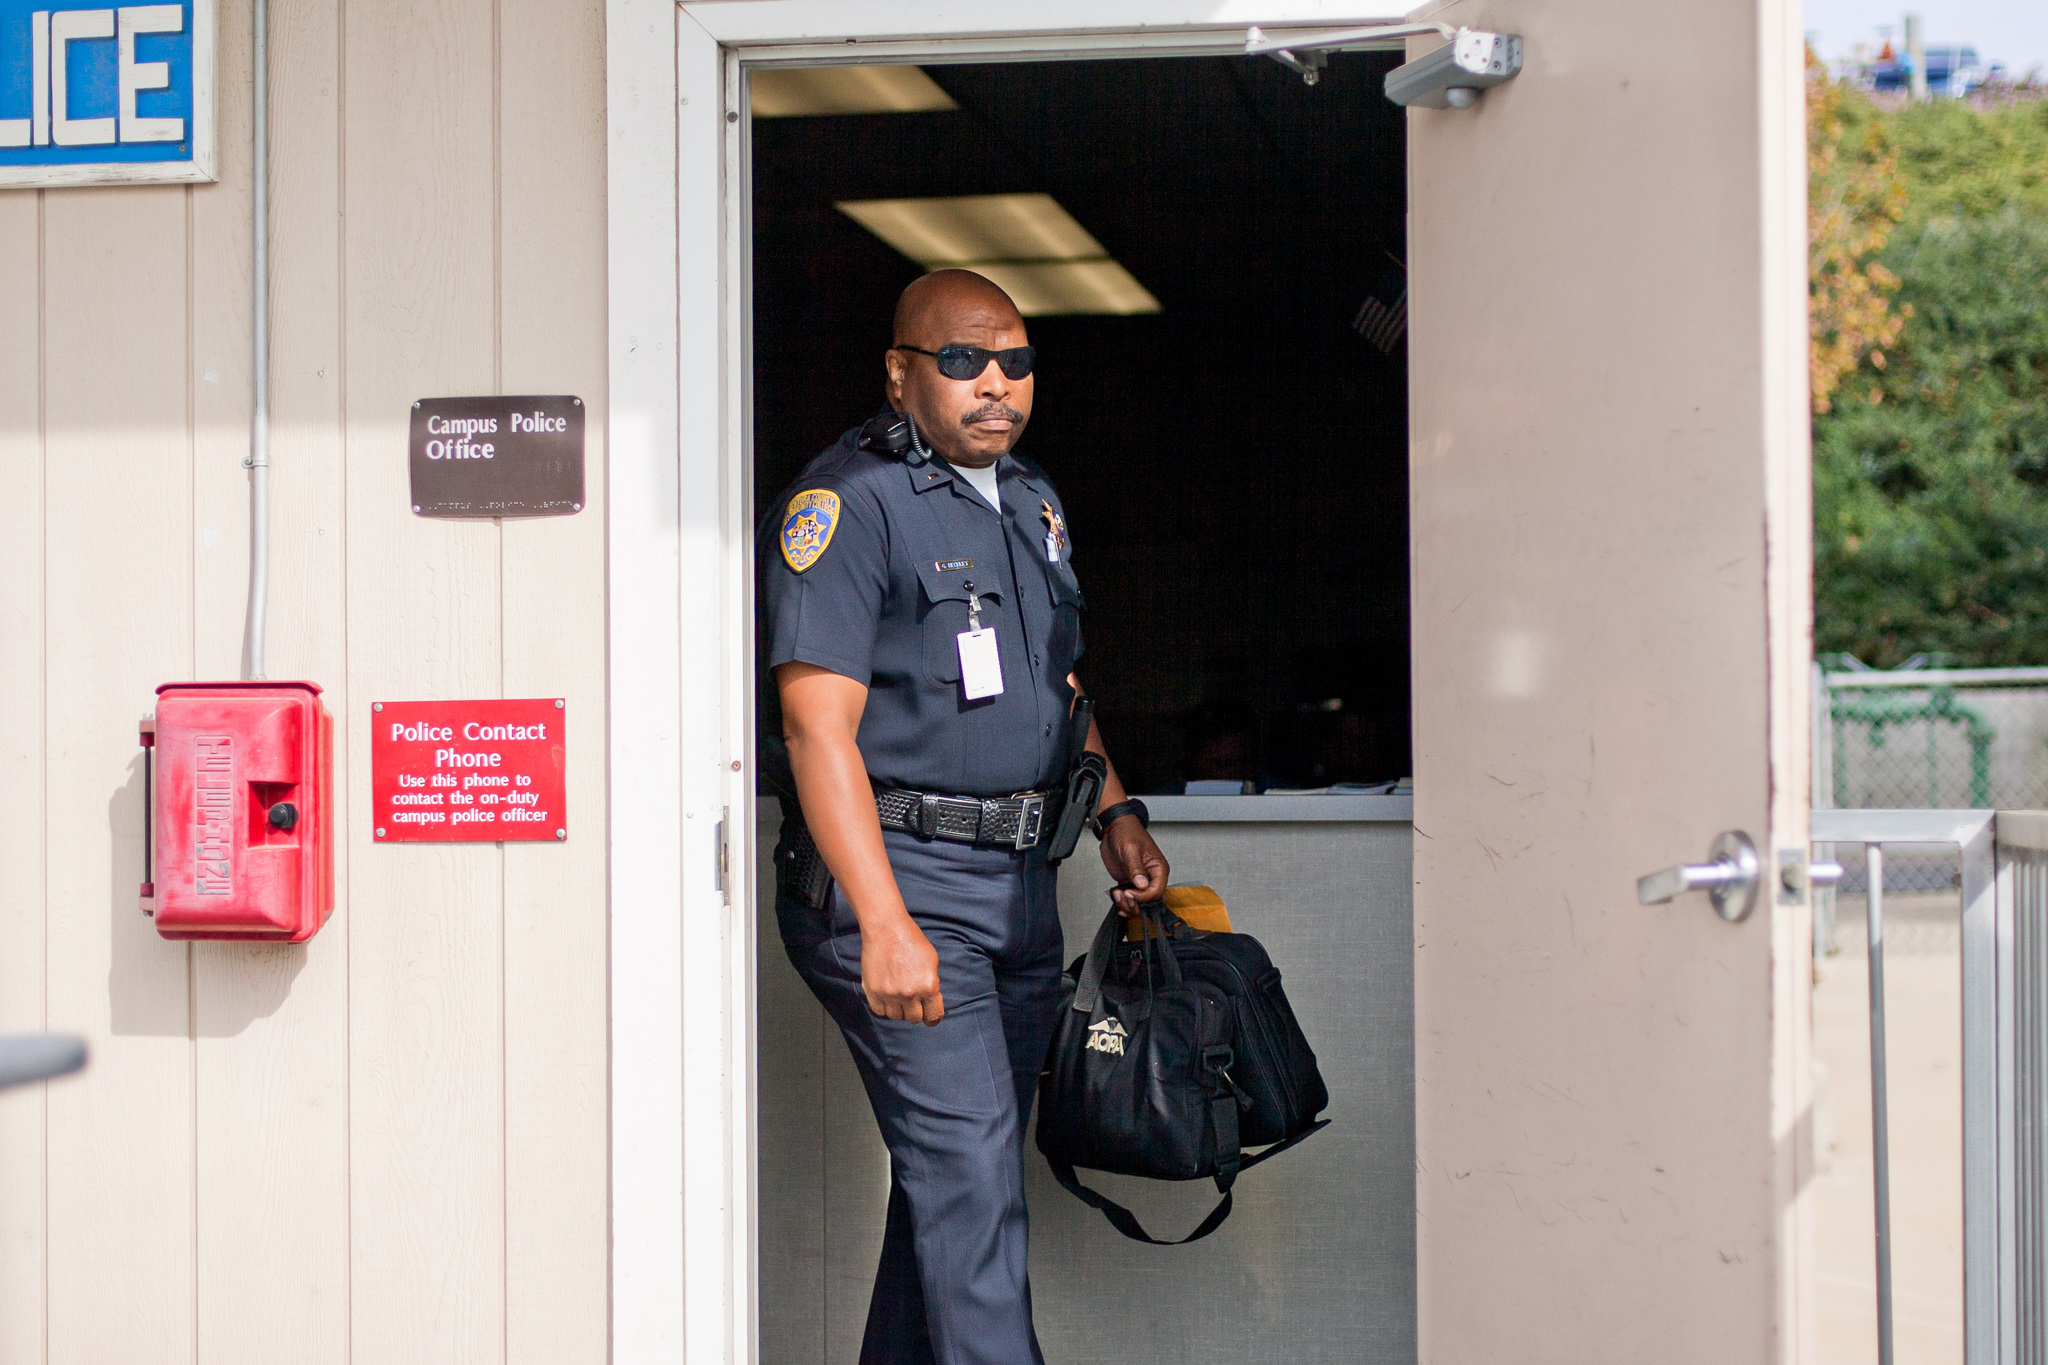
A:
(976, 227)
(790, 92)
(1053, 288)
(1026, 243)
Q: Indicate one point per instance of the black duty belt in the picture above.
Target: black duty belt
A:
(1020, 822)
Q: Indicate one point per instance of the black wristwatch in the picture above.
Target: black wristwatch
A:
(1109, 815)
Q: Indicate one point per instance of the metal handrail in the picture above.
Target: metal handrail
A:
(1938, 677)
(2023, 829)
(1988, 1282)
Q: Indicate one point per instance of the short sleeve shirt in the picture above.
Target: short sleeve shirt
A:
(868, 565)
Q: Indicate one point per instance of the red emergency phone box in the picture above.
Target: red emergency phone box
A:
(242, 813)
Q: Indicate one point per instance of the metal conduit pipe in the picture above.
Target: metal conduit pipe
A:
(259, 427)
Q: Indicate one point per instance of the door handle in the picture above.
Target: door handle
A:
(1797, 875)
(1729, 877)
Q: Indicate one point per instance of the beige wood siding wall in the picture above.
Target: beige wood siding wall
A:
(388, 1144)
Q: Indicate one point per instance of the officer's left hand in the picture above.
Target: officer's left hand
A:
(1135, 861)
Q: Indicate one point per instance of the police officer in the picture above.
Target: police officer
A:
(920, 624)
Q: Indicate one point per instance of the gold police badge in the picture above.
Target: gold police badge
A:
(807, 527)
(1055, 532)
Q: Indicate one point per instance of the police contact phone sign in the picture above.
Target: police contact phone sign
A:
(467, 771)
(94, 94)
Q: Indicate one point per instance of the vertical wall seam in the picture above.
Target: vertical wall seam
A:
(504, 857)
(498, 525)
(824, 1185)
(340, 813)
(498, 216)
(192, 1026)
(43, 680)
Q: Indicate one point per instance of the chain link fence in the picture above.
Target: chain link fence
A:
(1929, 738)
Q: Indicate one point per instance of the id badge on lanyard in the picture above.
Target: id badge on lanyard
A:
(981, 662)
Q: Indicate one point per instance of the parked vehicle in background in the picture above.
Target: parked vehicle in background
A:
(1953, 69)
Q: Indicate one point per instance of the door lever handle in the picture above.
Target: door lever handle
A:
(1729, 877)
(1797, 875)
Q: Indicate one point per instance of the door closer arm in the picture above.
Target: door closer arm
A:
(1450, 77)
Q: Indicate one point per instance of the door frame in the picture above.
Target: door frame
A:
(679, 573)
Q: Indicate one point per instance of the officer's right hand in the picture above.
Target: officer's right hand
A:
(899, 970)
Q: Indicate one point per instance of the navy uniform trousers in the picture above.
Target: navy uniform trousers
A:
(952, 1099)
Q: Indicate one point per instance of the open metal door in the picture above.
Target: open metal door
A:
(1611, 616)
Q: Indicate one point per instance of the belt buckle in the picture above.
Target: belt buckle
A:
(1030, 819)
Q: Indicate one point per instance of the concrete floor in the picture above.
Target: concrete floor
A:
(1924, 1042)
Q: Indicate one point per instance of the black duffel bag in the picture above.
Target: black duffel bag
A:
(1173, 1054)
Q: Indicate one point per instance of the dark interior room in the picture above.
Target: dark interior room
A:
(1230, 442)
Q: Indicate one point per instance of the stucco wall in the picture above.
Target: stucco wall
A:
(388, 1144)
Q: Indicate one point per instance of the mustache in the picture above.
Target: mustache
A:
(988, 410)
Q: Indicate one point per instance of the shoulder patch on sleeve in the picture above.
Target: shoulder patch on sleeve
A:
(807, 526)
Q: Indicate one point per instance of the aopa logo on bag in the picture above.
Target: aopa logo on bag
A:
(1107, 1036)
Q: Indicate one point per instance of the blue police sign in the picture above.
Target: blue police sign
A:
(97, 94)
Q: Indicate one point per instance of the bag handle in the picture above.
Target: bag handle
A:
(1147, 915)
(1089, 988)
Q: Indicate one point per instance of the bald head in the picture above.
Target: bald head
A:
(974, 421)
(932, 305)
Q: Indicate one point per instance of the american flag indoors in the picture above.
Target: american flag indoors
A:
(1383, 317)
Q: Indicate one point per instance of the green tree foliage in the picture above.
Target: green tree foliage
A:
(1960, 161)
(1931, 475)
(1930, 445)
(1855, 195)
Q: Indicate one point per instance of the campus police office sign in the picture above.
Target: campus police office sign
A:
(506, 455)
(104, 94)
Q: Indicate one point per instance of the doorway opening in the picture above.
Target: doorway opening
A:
(1210, 256)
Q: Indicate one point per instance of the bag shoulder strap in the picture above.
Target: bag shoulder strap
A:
(1282, 1145)
(1229, 1159)
(1120, 1217)
(1125, 1222)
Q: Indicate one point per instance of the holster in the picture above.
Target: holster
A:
(800, 867)
(1086, 773)
(1084, 789)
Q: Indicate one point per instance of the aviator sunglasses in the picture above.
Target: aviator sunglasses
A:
(968, 362)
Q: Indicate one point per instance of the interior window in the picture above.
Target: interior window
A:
(1210, 256)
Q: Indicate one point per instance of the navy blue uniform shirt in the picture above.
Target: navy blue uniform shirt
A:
(867, 563)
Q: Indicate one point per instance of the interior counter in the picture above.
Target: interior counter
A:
(1283, 808)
